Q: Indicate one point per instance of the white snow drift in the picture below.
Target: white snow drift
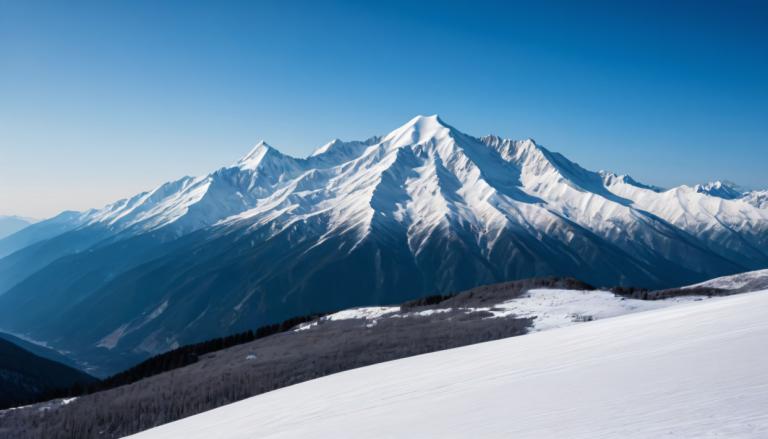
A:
(695, 370)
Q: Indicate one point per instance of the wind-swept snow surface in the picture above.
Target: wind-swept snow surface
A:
(694, 370)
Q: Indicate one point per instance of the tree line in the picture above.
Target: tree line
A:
(175, 358)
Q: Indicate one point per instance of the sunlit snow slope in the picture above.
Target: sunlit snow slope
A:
(742, 282)
(694, 370)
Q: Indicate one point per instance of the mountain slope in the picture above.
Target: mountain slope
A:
(598, 380)
(737, 283)
(202, 377)
(39, 231)
(25, 376)
(40, 350)
(423, 209)
(12, 224)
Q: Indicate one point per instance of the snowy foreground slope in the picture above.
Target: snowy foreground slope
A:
(694, 370)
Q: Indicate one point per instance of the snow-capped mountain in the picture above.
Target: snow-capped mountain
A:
(731, 191)
(423, 209)
(722, 189)
(424, 176)
(758, 199)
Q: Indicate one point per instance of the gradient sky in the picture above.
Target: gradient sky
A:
(100, 100)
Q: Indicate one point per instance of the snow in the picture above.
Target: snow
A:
(43, 406)
(694, 370)
(733, 282)
(758, 199)
(426, 179)
(113, 338)
(54, 404)
(306, 326)
(424, 313)
(252, 160)
(723, 189)
(66, 401)
(552, 308)
(157, 312)
(369, 313)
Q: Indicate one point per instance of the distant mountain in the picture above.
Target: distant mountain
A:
(722, 189)
(424, 209)
(39, 231)
(731, 191)
(25, 376)
(12, 224)
(41, 351)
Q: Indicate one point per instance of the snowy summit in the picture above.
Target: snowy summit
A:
(423, 209)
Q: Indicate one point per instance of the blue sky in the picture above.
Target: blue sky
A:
(103, 99)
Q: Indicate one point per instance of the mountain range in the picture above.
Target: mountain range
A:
(12, 224)
(424, 209)
(25, 376)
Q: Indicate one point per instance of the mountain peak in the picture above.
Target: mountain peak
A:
(426, 209)
(422, 118)
(327, 147)
(418, 130)
(427, 123)
(255, 156)
(722, 189)
(610, 178)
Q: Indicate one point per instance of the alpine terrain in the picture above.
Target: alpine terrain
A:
(195, 378)
(12, 224)
(424, 209)
(25, 376)
(689, 371)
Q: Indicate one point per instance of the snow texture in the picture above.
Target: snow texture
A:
(694, 370)
(734, 282)
(550, 308)
(557, 308)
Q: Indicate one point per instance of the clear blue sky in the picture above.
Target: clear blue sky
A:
(103, 99)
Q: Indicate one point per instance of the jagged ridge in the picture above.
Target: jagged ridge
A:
(424, 209)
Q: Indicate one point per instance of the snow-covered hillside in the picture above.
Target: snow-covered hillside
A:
(737, 283)
(690, 371)
(549, 308)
